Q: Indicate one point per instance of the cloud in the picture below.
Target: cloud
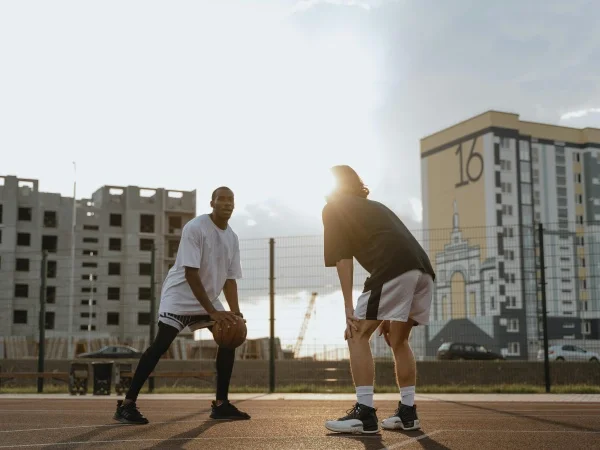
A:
(305, 5)
(365, 5)
(579, 114)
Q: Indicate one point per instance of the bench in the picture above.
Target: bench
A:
(123, 379)
(56, 376)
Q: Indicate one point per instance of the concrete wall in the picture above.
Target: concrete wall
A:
(256, 373)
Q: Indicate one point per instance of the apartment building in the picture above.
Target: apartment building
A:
(115, 231)
(487, 183)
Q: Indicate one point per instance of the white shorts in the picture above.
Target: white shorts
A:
(179, 321)
(407, 296)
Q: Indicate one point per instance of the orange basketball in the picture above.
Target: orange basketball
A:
(230, 335)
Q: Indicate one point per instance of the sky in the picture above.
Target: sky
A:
(265, 96)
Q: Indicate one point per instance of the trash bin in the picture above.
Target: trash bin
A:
(102, 377)
(78, 379)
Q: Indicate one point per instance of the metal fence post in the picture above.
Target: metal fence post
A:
(272, 315)
(544, 307)
(152, 306)
(42, 323)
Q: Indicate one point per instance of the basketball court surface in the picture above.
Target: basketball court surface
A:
(295, 421)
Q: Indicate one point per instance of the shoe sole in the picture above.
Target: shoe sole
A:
(128, 422)
(400, 426)
(355, 430)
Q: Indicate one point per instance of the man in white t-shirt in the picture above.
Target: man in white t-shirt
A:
(207, 263)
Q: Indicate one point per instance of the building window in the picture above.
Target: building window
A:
(50, 294)
(24, 214)
(114, 268)
(50, 220)
(514, 349)
(586, 327)
(146, 245)
(22, 290)
(85, 327)
(90, 240)
(49, 320)
(91, 227)
(143, 293)
(24, 239)
(145, 269)
(513, 325)
(146, 223)
(20, 316)
(1, 212)
(114, 244)
(143, 318)
(90, 252)
(112, 318)
(89, 264)
(116, 220)
(50, 243)
(22, 265)
(114, 293)
(51, 269)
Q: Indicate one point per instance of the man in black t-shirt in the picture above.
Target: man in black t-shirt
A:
(397, 295)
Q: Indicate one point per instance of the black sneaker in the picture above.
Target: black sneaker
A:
(359, 419)
(227, 411)
(404, 418)
(129, 414)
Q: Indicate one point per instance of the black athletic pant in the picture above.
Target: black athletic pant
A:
(165, 337)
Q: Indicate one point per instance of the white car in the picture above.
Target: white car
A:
(568, 352)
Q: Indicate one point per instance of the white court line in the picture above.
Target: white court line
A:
(258, 438)
(523, 431)
(25, 430)
(115, 441)
(411, 440)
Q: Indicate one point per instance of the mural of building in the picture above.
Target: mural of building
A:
(487, 183)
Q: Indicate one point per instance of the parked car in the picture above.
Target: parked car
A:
(113, 351)
(466, 350)
(568, 352)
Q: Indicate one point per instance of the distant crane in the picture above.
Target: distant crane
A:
(311, 305)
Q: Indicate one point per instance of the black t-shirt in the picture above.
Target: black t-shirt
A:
(369, 231)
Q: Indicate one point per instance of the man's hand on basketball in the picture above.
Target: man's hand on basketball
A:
(351, 323)
(384, 329)
(224, 316)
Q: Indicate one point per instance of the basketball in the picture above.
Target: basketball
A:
(230, 335)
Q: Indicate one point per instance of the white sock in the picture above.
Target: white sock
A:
(408, 395)
(364, 395)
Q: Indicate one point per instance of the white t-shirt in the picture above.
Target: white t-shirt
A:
(216, 254)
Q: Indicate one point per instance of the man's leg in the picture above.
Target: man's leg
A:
(221, 408)
(361, 361)
(405, 417)
(362, 417)
(404, 359)
(127, 411)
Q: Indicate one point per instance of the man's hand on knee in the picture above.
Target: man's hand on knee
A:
(351, 323)
(384, 330)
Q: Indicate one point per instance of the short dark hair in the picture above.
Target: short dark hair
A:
(349, 182)
(214, 194)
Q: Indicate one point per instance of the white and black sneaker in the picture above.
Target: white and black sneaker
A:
(359, 419)
(404, 418)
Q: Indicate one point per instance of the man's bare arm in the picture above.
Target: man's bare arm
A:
(230, 291)
(193, 278)
(345, 270)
